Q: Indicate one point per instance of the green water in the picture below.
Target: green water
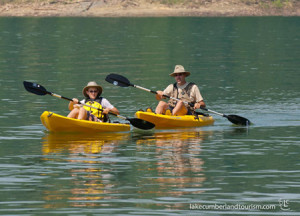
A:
(243, 66)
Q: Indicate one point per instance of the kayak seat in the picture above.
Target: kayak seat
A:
(168, 112)
(149, 109)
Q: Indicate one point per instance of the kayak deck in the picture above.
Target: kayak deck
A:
(170, 121)
(58, 123)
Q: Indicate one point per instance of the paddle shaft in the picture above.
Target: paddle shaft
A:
(208, 110)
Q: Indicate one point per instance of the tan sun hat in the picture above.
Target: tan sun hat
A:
(89, 85)
(179, 69)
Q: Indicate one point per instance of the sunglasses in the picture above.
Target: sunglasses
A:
(93, 91)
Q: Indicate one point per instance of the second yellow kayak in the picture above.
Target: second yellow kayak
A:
(170, 121)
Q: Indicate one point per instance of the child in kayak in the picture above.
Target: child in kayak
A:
(102, 106)
(183, 90)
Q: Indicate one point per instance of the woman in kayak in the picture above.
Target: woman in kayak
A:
(102, 106)
(183, 90)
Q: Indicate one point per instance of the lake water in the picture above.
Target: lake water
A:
(244, 66)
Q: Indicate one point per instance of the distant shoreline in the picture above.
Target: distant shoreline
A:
(141, 8)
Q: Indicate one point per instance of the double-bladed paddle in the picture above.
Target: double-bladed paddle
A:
(40, 90)
(122, 81)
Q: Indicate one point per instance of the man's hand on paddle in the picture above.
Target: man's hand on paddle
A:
(199, 104)
(159, 95)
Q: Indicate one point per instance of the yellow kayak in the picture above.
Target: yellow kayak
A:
(170, 121)
(58, 123)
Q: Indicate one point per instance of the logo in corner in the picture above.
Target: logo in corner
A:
(284, 204)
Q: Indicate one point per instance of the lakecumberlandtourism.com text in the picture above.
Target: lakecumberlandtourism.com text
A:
(196, 206)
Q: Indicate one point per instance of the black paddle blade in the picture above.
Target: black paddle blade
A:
(141, 124)
(238, 120)
(35, 88)
(118, 80)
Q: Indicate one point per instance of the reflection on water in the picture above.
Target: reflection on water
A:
(178, 167)
(81, 143)
(88, 181)
(165, 164)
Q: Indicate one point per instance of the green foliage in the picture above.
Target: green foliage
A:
(249, 1)
(278, 3)
(268, 3)
(171, 2)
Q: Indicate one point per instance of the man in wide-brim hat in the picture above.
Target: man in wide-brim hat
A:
(183, 90)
